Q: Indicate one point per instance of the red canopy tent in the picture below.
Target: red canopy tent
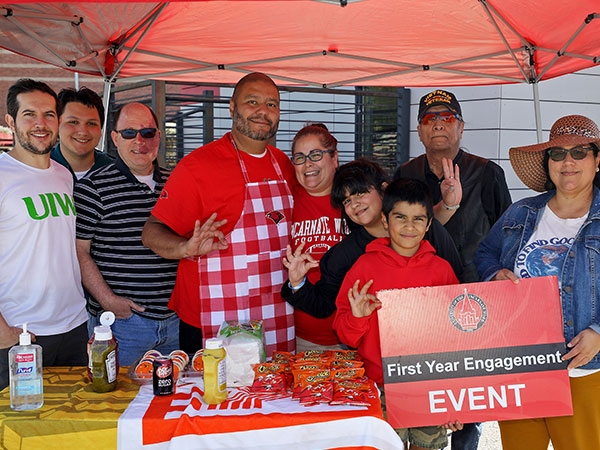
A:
(312, 42)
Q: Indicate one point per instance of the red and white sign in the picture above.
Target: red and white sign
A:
(473, 352)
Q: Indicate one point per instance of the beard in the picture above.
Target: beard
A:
(244, 127)
(26, 143)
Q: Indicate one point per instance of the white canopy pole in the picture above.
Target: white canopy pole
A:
(538, 114)
(106, 101)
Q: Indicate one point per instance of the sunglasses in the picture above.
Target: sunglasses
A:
(559, 153)
(314, 155)
(444, 116)
(130, 133)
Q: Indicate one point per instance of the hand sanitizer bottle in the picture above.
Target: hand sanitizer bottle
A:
(26, 377)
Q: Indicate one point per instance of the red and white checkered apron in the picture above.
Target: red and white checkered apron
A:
(243, 282)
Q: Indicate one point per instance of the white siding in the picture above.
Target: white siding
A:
(500, 117)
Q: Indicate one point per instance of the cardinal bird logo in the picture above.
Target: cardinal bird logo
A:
(164, 195)
(275, 216)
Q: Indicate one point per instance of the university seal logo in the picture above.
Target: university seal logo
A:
(467, 312)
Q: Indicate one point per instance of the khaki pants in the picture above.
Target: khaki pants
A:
(581, 431)
(432, 437)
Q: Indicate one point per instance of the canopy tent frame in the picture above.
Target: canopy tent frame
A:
(143, 29)
(121, 46)
(10, 15)
(561, 52)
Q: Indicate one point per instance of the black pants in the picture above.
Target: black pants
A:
(190, 338)
(66, 349)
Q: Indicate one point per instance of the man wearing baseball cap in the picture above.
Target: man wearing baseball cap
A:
(469, 193)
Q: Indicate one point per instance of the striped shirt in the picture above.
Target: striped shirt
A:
(112, 208)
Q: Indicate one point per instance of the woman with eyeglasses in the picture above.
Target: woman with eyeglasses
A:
(316, 227)
(557, 233)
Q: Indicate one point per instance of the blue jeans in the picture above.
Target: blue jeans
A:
(467, 438)
(136, 335)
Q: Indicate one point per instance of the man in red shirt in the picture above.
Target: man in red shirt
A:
(230, 268)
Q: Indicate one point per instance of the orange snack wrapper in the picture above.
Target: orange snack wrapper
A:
(282, 356)
(265, 368)
(348, 396)
(344, 355)
(347, 374)
(269, 383)
(357, 384)
(310, 365)
(312, 354)
(346, 364)
(315, 393)
(306, 377)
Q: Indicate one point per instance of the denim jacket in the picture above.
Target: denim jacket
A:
(580, 277)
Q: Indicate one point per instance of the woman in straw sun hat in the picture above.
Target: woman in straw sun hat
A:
(557, 233)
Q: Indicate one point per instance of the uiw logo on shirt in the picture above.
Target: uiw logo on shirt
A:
(49, 204)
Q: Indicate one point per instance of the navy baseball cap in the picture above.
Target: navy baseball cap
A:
(438, 97)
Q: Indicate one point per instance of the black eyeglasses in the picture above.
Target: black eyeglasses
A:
(559, 153)
(130, 133)
(314, 155)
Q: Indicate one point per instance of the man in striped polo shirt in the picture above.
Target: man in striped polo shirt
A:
(118, 272)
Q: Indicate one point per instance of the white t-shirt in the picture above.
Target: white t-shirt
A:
(545, 252)
(79, 175)
(147, 179)
(40, 279)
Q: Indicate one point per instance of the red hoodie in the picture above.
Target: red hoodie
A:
(388, 270)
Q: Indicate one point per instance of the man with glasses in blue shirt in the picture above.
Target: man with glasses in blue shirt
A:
(469, 193)
(118, 272)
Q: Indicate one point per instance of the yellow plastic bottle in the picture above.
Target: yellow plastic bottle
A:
(215, 382)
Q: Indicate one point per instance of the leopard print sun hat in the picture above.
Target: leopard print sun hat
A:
(527, 161)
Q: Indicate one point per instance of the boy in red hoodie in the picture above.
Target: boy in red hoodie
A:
(403, 260)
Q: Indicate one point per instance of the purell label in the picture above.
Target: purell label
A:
(25, 365)
(25, 357)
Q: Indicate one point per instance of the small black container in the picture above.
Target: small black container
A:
(162, 376)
